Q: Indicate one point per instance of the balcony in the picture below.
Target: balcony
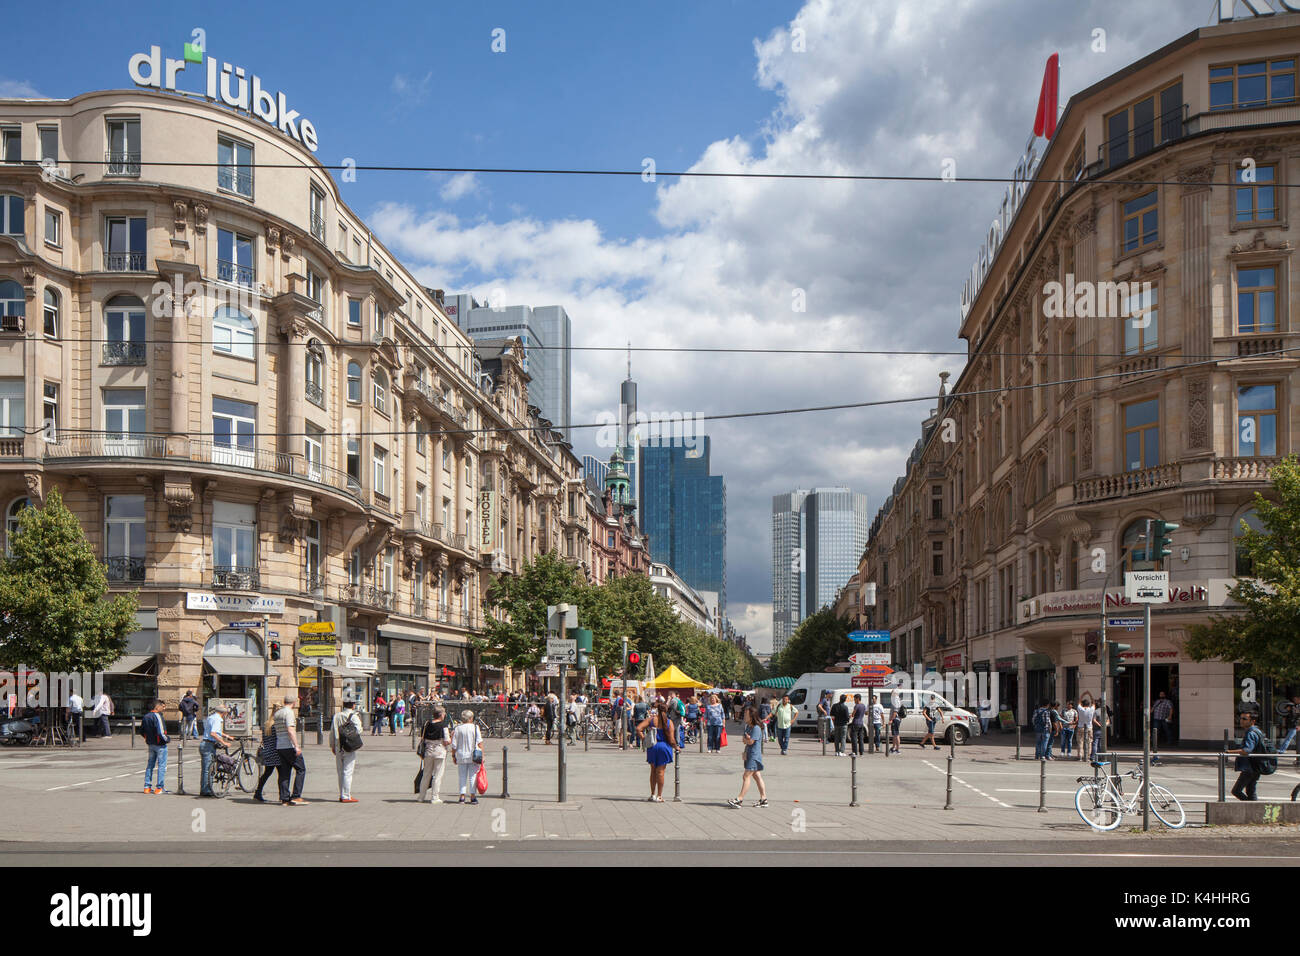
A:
(228, 271)
(315, 582)
(122, 164)
(236, 179)
(1244, 116)
(1142, 139)
(318, 226)
(418, 607)
(366, 595)
(1126, 484)
(106, 445)
(11, 448)
(315, 394)
(1243, 469)
(124, 353)
(124, 262)
(124, 569)
(412, 523)
(13, 323)
(1247, 347)
(236, 579)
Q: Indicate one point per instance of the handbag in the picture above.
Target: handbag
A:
(418, 774)
(480, 779)
(722, 742)
(419, 751)
(478, 757)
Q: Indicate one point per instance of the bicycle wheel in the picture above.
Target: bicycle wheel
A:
(222, 779)
(1167, 808)
(1098, 806)
(248, 774)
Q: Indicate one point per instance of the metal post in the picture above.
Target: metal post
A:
(677, 778)
(586, 732)
(1042, 786)
(853, 765)
(821, 728)
(1146, 709)
(563, 732)
(1017, 740)
(133, 731)
(528, 731)
(948, 801)
(622, 717)
(505, 773)
(1223, 777)
(180, 764)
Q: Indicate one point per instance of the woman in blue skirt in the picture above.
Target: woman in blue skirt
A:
(660, 754)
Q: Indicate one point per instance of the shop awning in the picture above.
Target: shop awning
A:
(234, 666)
(674, 679)
(781, 683)
(128, 664)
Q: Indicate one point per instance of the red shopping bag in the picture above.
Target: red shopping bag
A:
(723, 741)
(480, 779)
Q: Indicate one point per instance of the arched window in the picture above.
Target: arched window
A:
(1135, 539)
(232, 643)
(354, 382)
(1245, 565)
(11, 521)
(381, 389)
(13, 306)
(233, 332)
(51, 313)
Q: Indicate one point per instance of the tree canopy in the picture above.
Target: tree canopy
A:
(820, 640)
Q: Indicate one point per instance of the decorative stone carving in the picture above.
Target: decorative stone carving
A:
(200, 215)
(179, 209)
(1259, 244)
(179, 495)
(442, 562)
(1198, 418)
(1196, 178)
(1198, 509)
(292, 526)
(272, 237)
(1085, 438)
(289, 243)
(1086, 224)
(35, 491)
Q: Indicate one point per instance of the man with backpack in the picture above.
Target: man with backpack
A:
(1042, 724)
(1252, 761)
(189, 715)
(345, 741)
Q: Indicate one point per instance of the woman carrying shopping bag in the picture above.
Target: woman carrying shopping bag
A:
(467, 754)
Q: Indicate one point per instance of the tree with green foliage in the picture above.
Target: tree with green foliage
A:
(54, 612)
(1266, 636)
(518, 639)
(820, 640)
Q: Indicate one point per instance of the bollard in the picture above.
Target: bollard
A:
(821, 728)
(701, 730)
(505, 773)
(948, 801)
(1043, 786)
(1017, 741)
(586, 736)
(133, 731)
(677, 778)
(528, 730)
(1223, 777)
(952, 746)
(853, 764)
(180, 765)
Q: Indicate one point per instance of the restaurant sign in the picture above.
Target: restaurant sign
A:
(1062, 603)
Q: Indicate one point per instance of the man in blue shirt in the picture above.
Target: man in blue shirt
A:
(1252, 740)
(155, 735)
(212, 739)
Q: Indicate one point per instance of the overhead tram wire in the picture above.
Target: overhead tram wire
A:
(725, 416)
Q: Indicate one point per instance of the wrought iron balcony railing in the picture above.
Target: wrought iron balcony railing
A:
(366, 594)
(228, 271)
(236, 579)
(315, 394)
(318, 226)
(124, 353)
(121, 164)
(124, 262)
(236, 179)
(124, 568)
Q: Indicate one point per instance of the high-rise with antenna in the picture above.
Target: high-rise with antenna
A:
(628, 440)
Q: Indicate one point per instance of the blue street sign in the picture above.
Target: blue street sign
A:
(246, 624)
(869, 636)
(1125, 622)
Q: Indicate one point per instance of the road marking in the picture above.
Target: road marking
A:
(967, 785)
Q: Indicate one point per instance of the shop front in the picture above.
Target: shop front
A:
(402, 664)
(451, 668)
(234, 665)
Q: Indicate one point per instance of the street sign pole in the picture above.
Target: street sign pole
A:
(1146, 722)
(622, 717)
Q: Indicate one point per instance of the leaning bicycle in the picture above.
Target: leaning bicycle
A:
(1102, 803)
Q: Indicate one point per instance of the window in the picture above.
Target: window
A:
(1148, 123)
(13, 407)
(380, 471)
(234, 257)
(1141, 225)
(1142, 320)
(1257, 420)
(446, 515)
(11, 215)
(1256, 300)
(1247, 85)
(354, 312)
(313, 555)
(51, 313)
(936, 558)
(234, 166)
(50, 412)
(316, 289)
(343, 240)
(356, 250)
(11, 144)
(124, 529)
(420, 502)
(1245, 564)
(1071, 456)
(49, 143)
(936, 501)
(124, 329)
(469, 472)
(233, 333)
(417, 586)
(124, 244)
(234, 425)
(124, 419)
(352, 454)
(354, 568)
(53, 227)
(379, 323)
(446, 457)
(315, 376)
(380, 381)
(1142, 435)
(1255, 200)
(316, 212)
(234, 537)
(1040, 478)
(354, 382)
(389, 561)
(123, 157)
(313, 447)
(13, 307)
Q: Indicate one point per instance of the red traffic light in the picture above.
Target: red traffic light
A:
(633, 657)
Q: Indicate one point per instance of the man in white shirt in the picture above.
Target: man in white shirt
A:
(877, 721)
(213, 737)
(1087, 713)
(103, 710)
(345, 760)
(75, 709)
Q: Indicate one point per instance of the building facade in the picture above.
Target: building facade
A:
(683, 511)
(688, 603)
(1170, 396)
(259, 415)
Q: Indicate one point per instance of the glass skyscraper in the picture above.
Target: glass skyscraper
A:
(683, 510)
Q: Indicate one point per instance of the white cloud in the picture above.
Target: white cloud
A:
(18, 90)
(459, 186)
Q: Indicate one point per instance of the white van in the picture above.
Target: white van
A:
(954, 722)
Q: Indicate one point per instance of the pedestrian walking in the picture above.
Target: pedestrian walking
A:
(858, 725)
(1291, 719)
(677, 714)
(1069, 727)
(659, 754)
(714, 719)
(189, 715)
(877, 721)
(291, 761)
(434, 740)
(467, 754)
(840, 720)
(1087, 720)
(824, 715)
(896, 715)
(155, 735)
(754, 736)
(1042, 724)
(76, 710)
(103, 709)
(930, 711)
(1057, 724)
(1162, 713)
(640, 710)
(345, 741)
(400, 714)
(783, 718)
(378, 715)
(213, 737)
(1252, 743)
(268, 757)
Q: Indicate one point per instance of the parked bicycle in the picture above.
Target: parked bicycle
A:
(1102, 803)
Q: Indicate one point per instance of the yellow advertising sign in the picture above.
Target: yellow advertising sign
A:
(317, 650)
(316, 627)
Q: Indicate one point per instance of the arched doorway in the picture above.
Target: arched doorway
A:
(234, 665)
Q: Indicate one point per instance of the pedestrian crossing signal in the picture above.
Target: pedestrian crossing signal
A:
(633, 663)
(275, 650)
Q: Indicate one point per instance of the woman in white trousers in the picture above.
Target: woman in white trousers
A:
(465, 741)
(436, 736)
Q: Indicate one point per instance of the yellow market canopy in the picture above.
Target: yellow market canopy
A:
(674, 679)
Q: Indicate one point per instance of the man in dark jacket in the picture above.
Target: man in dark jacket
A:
(840, 720)
(189, 715)
(155, 735)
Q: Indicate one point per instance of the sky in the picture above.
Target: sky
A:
(826, 86)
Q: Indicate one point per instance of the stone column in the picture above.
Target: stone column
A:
(1197, 307)
(178, 400)
(412, 420)
(435, 477)
(292, 393)
(458, 490)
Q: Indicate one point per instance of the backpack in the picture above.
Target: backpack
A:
(1266, 765)
(902, 712)
(349, 736)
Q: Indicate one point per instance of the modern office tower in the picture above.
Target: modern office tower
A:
(683, 511)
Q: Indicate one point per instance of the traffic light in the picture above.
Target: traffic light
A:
(633, 664)
(275, 650)
(1159, 546)
(1116, 661)
(1092, 647)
